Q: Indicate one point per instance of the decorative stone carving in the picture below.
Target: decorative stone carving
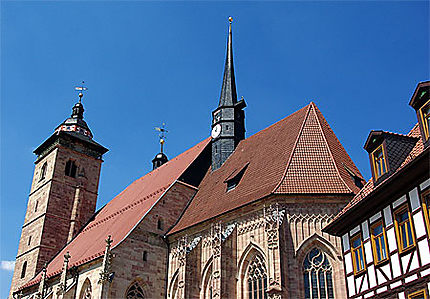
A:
(61, 289)
(216, 237)
(182, 259)
(107, 262)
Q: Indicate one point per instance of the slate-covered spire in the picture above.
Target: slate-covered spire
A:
(228, 119)
(228, 91)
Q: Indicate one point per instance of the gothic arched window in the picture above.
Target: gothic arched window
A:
(135, 291)
(257, 279)
(86, 290)
(71, 169)
(43, 171)
(317, 274)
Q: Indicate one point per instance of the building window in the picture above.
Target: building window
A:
(86, 291)
(425, 197)
(71, 169)
(317, 276)
(358, 259)
(404, 229)
(379, 242)
(29, 241)
(421, 294)
(43, 171)
(425, 119)
(36, 206)
(24, 269)
(257, 279)
(160, 224)
(145, 256)
(135, 291)
(379, 162)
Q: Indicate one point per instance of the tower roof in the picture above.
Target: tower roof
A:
(76, 122)
(228, 91)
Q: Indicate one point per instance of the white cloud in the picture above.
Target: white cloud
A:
(7, 265)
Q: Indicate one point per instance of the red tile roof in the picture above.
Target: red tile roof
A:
(297, 155)
(122, 213)
(369, 187)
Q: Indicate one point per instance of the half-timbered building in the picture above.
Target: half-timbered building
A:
(385, 229)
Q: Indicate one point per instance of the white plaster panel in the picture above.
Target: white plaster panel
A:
(391, 239)
(411, 278)
(358, 281)
(351, 285)
(387, 216)
(401, 295)
(387, 270)
(405, 261)
(368, 295)
(425, 272)
(365, 230)
(372, 276)
(348, 263)
(420, 228)
(414, 263)
(381, 278)
(375, 217)
(380, 290)
(345, 242)
(365, 285)
(395, 284)
(368, 251)
(396, 265)
(355, 230)
(425, 184)
(414, 199)
(399, 201)
(428, 286)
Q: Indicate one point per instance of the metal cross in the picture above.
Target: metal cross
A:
(81, 89)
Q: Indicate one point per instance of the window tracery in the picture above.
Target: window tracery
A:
(135, 291)
(257, 279)
(317, 274)
(86, 290)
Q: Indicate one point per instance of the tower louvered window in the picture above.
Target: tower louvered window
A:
(135, 291)
(317, 274)
(71, 169)
(257, 279)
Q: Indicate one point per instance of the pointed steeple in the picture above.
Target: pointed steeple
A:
(228, 91)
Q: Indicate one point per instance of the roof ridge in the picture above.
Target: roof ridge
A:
(294, 147)
(329, 149)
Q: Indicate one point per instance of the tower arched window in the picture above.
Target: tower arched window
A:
(43, 171)
(257, 278)
(24, 269)
(135, 291)
(71, 169)
(86, 291)
(317, 274)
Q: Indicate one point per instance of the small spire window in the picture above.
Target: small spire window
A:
(160, 224)
(24, 269)
(43, 171)
(379, 162)
(425, 119)
(71, 169)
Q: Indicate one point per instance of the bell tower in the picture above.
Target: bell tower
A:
(63, 193)
(228, 120)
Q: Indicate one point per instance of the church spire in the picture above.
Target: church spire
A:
(228, 91)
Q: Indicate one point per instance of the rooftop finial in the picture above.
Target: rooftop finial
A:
(230, 19)
(81, 89)
(162, 135)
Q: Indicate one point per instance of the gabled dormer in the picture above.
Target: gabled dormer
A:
(387, 151)
(421, 103)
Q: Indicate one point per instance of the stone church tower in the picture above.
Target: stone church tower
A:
(63, 194)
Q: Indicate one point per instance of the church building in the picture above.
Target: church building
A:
(231, 217)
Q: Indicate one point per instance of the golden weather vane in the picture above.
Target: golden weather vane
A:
(162, 135)
(81, 89)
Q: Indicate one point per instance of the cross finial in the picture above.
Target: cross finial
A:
(162, 135)
(81, 89)
(109, 241)
(67, 257)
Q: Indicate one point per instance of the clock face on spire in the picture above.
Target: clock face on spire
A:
(216, 131)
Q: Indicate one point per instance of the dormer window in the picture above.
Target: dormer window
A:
(235, 178)
(379, 161)
(424, 113)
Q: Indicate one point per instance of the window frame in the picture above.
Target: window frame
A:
(425, 206)
(397, 211)
(384, 157)
(417, 293)
(353, 253)
(424, 124)
(373, 240)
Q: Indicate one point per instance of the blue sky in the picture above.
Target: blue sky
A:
(151, 62)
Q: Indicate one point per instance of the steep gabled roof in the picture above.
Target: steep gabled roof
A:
(297, 155)
(370, 187)
(122, 213)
